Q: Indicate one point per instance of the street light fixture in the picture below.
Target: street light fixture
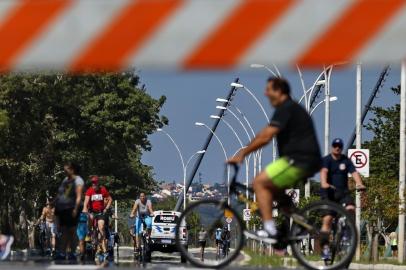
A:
(222, 100)
(184, 166)
(200, 124)
(267, 68)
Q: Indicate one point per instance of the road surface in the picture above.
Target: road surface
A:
(159, 261)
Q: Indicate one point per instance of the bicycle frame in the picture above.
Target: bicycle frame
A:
(284, 202)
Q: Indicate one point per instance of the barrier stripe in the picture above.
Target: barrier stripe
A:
(204, 17)
(385, 48)
(350, 32)
(287, 38)
(225, 46)
(23, 24)
(124, 35)
(62, 46)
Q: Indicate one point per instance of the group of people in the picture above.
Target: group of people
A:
(71, 214)
(300, 158)
(222, 237)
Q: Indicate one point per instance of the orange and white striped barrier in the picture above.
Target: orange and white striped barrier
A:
(78, 35)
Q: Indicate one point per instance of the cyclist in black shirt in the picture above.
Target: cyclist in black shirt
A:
(298, 149)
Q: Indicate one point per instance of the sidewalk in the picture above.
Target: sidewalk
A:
(377, 266)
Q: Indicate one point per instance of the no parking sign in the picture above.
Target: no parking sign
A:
(360, 159)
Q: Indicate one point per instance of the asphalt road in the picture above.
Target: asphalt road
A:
(126, 260)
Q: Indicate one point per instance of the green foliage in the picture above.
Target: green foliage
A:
(102, 122)
(384, 165)
(167, 204)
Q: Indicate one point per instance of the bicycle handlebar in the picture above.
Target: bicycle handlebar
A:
(234, 184)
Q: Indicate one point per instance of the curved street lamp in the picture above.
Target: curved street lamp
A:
(199, 124)
(184, 166)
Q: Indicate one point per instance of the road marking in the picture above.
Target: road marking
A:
(70, 266)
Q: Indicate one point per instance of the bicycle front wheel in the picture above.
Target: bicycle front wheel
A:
(327, 247)
(196, 229)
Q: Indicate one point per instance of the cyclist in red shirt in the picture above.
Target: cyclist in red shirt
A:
(94, 203)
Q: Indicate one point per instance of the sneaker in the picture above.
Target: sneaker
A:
(261, 235)
(325, 254)
(6, 247)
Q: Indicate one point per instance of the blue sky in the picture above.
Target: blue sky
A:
(191, 98)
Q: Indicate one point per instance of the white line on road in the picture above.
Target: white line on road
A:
(70, 266)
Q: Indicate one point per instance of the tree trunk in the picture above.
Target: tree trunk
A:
(375, 245)
(369, 234)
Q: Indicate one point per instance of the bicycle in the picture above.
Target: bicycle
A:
(96, 238)
(44, 238)
(144, 254)
(295, 225)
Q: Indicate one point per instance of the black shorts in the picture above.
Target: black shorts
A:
(394, 248)
(66, 218)
(202, 244)
(218, 241)
(342, 197)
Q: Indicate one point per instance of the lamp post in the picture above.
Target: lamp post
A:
(257, 154)
(199, 124)
(322, 80)
(184, 166)
(238, 85)
(242, 146)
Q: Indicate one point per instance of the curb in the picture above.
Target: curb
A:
(359, 266)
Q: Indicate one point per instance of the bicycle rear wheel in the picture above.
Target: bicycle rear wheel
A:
(335, 249)
(210, 215)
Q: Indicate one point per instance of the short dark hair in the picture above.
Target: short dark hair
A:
(280, 84)
(74, 166)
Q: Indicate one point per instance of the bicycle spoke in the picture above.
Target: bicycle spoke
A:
(318, 249)
(202, 219)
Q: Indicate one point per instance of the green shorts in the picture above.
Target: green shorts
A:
(284, 174)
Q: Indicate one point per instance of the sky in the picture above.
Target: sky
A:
(191, 97)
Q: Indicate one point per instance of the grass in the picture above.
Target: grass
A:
(259, 260)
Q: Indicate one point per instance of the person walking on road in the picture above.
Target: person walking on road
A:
(67, 209)
(5, 245)
(202, 242)
(393, 236)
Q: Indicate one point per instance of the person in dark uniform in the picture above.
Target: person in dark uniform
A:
(334, 184)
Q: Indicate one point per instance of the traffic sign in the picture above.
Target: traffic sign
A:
(229, 220)
(246, 214)
(228, 213)
(360, 159)
(294, 194)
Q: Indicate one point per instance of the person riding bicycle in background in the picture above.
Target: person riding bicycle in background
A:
(298, 148)
(218, 239)
(94, 201)
(334, 186)
(225, 237)
(49, 219)
(143, 211)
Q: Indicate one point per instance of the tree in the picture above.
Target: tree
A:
(101, 122)
(380, 202)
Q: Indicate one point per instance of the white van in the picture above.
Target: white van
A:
(163, 232)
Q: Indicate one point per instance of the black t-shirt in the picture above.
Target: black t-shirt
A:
(338, 171)
(297, 137)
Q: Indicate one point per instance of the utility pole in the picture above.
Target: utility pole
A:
(358, 139)
(402, 160)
